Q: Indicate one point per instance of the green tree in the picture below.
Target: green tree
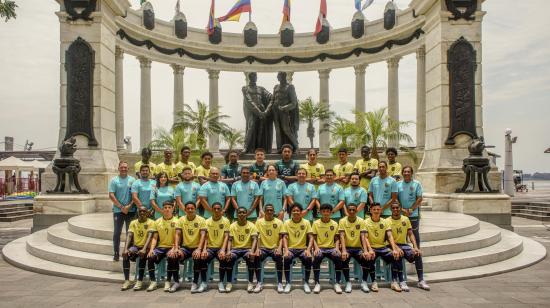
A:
(233, 138)
(174, 140)
(203, 122)
(342, 132)
(311, 112)
(7, 9)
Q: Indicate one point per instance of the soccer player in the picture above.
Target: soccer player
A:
(162, 192)
(187, 190)
(287, 167)
(169, 167)
(243, 241)
(315, 171)
(304, 193)
(344, 169)
(185, 153)
(190, 237)
(355, 245)
(401, 231)
(246, 193)
(163, 246)
(379, 236)
(123, 210)
(203, 171)
(142, 188)
(394, 168)
(231, 172)
(258, 168)
(383, 189)
(409, 194)
(270, 244)
(357, 195)
(217, 228)
(213, 191)
(297, 234)
(138, 238)
(333, 194)
(326, 245)
(366, 167)
(273, 191)
(146, 154)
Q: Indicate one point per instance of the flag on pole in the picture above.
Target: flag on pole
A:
(322, 15)
(178, 6)
(211, 19)
(234, 13)
(286, 11)
(358, 5)
(366, 4)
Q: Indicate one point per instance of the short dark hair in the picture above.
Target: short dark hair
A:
(122, 162)
(312, 150)
(407, 167)
(245, 168)
(326, 206)
(270, 205)
(375, 204)
(391, 150)
(329, 170)
(146, 150)
(143, 167)
(343, 150)
(242, 208)
(206, 154)
(232, 152)
(298, 205)
(352, 204)
(365, 148)
(382, 162)
(186, 168)
(287, 146)
(191, 203)
(216, 203)
(168, 202)
(185, 148)
(259, 150)
(300, 169)
(355, 173)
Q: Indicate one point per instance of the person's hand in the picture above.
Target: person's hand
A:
(417, 252)
(287, 253)
(345, 255)
(317, 252)
(125, 254)
(196, 254)
(395, 254)
(304, 213)
(124, 209)
(221, 254)
(251, 254)
(204, 254)
(277, 252)
(369, 255)
(336, 253)
(142, 253)
(151, 254)
(307, 253)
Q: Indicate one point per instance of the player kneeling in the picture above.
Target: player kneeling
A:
(217, 228)
(137, 241)
(270, 244)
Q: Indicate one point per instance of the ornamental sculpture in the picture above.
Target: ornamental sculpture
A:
(67, 166)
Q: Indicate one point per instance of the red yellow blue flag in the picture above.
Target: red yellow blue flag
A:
(211, 19)
(286, 11)
(235, 12)
(322, 15)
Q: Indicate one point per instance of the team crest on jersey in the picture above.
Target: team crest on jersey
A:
(331, 228)
(381, 226)
(411, 188)
(386, 184)
(318, 169)
(302, 227)
(403, 223)
(392, 168)
(357, 227)
(221, 226)
(246, 231)
(196, 225)
(145, 226)
(173, 224)
(274, 226)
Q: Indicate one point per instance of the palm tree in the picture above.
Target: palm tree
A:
(233, 138)
(377, 131)
(7, 9)
(203, 121)
(174, 140)
(341, 131)
(310, 112)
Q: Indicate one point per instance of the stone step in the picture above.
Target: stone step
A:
(11, 204)
(487, 235)
(16, 208)
(16, 218)
(60, 235)
(534, 208)
(534, 212)
(16, 213)
(531, 216)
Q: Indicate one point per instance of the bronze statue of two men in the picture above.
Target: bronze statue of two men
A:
(263, 111)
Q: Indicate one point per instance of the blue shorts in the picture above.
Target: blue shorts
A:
(385, 253)
(133, 253)
(408, 252)
(187, 253)
(239, 253)
(160, 253)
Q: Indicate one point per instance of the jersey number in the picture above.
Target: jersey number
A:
(241, 237)
(216, 233)
(269, 232)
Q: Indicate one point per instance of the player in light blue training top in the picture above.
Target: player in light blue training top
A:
(273, 192)
(302, 193)
(246, 193)
(383, 189)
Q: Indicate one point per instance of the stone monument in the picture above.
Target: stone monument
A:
(259, 123)
(285, 109)
(67, 166)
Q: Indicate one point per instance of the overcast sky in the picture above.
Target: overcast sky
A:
(516, 67)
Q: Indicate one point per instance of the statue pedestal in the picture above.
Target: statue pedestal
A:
(56, 208)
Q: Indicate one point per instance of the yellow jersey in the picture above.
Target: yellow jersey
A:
(269, 232)
(166, 229)
(315, 171)
(364, 165)
(394, 169)
(169, 169)
(376, 232)
(140, 230)
(201, 171)
(297, 233)
(353, 231)
(180, 165)
(325, 232)
(216, 231)
(191, 230)
(242, 235)
(399, 229)
(152, 167)
(341, 170)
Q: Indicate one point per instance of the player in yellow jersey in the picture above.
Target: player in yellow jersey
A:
(270, 244)
(402, 230)
(297, 234)
(184, 162)
(315, 171)
(355, 245)
(366, 167)
(169, 167)
(137, 242)
(327, 245)
(190, 237)
(379, 235)
(344, 169)
(146, 154)
(394, 167)
(217, 228)
(202, 172)
(243, 242)
(163, 246)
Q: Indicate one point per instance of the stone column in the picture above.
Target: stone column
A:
(393, 92)
(360, 105)
(214, 139)
(146, 128)
(420, 97)
(178, 89)
(119, 98)
(324, 99)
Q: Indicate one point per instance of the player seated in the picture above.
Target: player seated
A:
(297, 234)
(326, 245)
(217, 228)
(137, 241)
(270, 245)
(355, 245)
(401, 231)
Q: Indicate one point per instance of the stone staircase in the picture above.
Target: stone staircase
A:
(536, 210)
(455, 246)
(12, 212)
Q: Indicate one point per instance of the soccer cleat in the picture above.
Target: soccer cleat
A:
(395, 286)
(228, 287)
(404, 287)
(307, 289)
(194, 288)
(152, 286)
(347, 289)
(374, 287)
(138, 286)
(423, 285)
(167, 286)
(337, 288)
(280, 288)
(288, 287)
(174, 287)
(221, 287)
(364, 287)
(126, 285)
(250, 287)
(259, 287)
(203, 287)
(317, 288)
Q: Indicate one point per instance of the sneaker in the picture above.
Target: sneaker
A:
(194, 288)
(174, 287)
(364, 287)
(221, 287)
(167, 286)
(250, 287)
(347, 289)
(280, 288)
(307, 289)
(395, 286)
(337, 288)
(317, 288)
(126, 285)
(259, 287)
(203, 287)
(423, 285)
(116, 257)
(374, 287)
(138, 286)
(152, 286)
(404, 287)
(288, 287)
(228, 287)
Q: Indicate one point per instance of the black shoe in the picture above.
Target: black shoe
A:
(116, 257)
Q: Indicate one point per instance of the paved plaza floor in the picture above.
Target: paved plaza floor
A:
(529, 287)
